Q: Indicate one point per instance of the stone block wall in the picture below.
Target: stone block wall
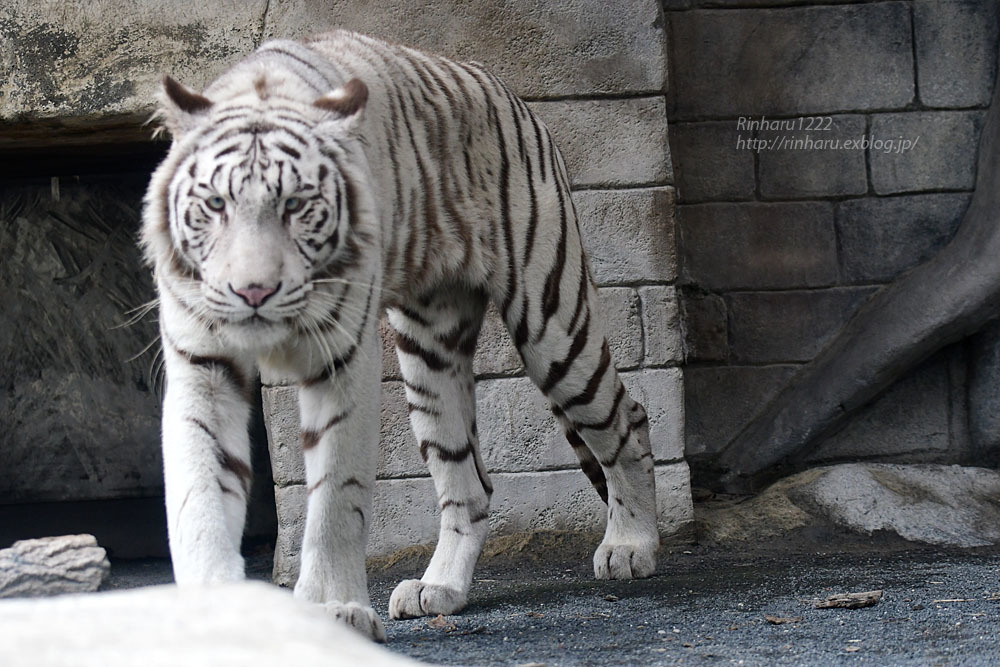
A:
(596, 75)
(786, 226)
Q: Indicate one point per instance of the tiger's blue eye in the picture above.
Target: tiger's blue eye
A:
(216, 203)
(293, 204)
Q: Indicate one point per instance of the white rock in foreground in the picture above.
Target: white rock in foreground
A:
(244, 624)
(52, 566)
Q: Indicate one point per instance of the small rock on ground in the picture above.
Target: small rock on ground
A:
(52, 566)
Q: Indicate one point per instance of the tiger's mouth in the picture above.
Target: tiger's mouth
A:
(258, 322)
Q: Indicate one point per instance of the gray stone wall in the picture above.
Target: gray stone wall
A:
(780, 242)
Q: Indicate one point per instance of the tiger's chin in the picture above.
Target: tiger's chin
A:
(255, 334)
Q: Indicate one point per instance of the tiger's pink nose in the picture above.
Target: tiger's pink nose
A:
(254, 294)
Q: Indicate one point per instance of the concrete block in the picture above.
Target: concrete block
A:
(406, 512)
(706, 328)
(290, 503)
(810, 161)
(708, 164)
(721, 400)
(909, 421)
(390, 362)
(674, 509)
(881, 237)
(610, 142)
(628, 234)
(495, 352)
(791, 61)
(662, 326)
(517, 431)
(943, 156)
(622, 324)
(956, 43)
(754, 245)
(776, 327)
(398, 451)
(398, 454)
(661, 391)
(557, 500)
(281, 419)
(540, 49)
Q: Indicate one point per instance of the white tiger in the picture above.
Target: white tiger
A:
(313, 186)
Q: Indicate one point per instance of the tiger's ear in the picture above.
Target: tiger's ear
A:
(345, 103)
(181, 108)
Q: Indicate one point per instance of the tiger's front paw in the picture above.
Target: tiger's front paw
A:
(413, 598)
(625, 561)
(361, 618)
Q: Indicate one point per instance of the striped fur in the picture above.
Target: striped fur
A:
(312, 187)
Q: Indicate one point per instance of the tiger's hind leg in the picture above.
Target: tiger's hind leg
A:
(552, 318)
(435, 342)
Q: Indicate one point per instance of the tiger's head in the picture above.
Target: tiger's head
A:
(262, 198)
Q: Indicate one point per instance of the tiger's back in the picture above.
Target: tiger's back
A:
(287, 216)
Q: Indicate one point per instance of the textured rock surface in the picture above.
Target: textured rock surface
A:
(52, 566)
(929, 504)
(236, 624)
(72, 61)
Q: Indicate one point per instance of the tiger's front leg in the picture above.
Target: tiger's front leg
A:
(206, 463)
(339, 411)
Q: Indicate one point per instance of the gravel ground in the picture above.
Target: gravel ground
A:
(704, 606)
